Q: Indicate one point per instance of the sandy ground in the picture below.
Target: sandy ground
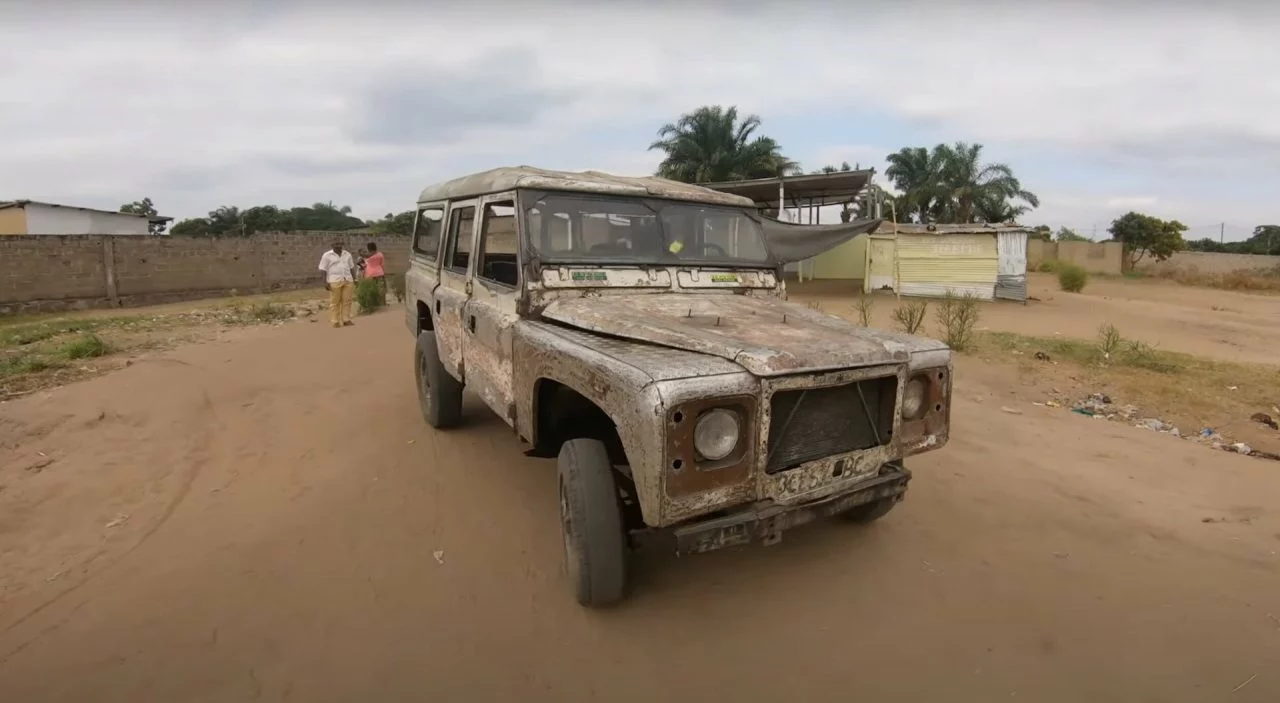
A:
(1225, 325)
(258, 518)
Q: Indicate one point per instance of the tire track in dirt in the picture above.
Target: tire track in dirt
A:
(197, 457)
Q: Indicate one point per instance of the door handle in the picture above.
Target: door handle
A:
(437, 306)
(471, 323)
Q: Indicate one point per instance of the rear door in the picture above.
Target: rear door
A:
(455, 285)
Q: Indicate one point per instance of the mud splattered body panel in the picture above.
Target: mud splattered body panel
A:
(818, 401)
(765, 335)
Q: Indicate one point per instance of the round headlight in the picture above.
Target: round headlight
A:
(913, 399)
(716, 434)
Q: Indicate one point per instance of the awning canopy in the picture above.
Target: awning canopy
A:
(790, 242)
(813, 188)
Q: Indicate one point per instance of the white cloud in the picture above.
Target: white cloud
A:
(256, 103)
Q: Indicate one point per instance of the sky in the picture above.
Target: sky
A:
(1166, 108)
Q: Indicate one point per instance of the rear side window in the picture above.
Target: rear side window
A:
(427, 230)
(461, 228)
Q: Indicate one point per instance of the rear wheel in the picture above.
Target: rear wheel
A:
(439, 394)
(591, 522)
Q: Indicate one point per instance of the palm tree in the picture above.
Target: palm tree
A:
(967, 185)
(917, 173)
(710, 144)
(951, 184)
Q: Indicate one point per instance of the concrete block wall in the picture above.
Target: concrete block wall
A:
(1209, 262)
(59, 272)
(1094, 257)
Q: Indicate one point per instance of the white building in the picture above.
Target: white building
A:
(32, 217)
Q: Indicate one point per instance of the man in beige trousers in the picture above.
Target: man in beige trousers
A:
(339, 273)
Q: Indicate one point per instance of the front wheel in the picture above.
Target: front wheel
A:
(439, 394)
(591, 522)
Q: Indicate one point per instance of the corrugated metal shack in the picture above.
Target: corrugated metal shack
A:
(987, 261)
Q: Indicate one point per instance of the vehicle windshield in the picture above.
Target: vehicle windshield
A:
(573, 228)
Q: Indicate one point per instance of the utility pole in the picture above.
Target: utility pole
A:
(1222, 232)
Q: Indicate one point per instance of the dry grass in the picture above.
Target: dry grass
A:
(1240, 280)
(39, 352)
(1187, 390)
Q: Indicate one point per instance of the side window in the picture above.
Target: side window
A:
(460, 231)
(497, 253)
(427, 229)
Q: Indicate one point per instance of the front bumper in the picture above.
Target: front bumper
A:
(765, 521)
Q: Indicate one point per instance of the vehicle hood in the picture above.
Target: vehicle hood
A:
(767, 336)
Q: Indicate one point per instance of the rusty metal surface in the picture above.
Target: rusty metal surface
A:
(698, 476)
(932, 430)
(767, 336)
(513, 177)
(767, 521)
(644, 342)
(488, 322)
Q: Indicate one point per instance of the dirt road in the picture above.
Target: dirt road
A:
(259, 519)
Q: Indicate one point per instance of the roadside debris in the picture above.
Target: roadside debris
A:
(1101, 407)
(1011, 411)
(439, 555)
(1041, 356)
(121, 519)
(1264, 419)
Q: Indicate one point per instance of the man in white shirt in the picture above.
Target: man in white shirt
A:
(339, 273)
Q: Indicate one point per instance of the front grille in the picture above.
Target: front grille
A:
(819, 422)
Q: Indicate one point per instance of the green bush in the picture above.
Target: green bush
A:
(1049, 266)
(86, 347)
(370, 295)
(1072, 278)
(957, 316)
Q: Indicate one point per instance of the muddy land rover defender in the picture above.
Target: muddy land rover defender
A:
(637, 329)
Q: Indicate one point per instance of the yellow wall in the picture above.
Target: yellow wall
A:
(13, 220)
(846, 262)
(950, 258)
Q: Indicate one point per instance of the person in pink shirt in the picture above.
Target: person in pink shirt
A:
(374, 268)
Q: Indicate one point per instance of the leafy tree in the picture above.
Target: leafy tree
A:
(231, 221)
(145, 207)
(1069, 235)
(1265, 240)
(916, 173)
(1042, 232)
(951, 184)
(844, 166)
(397, 223)
(1143, 234)
(711, 144)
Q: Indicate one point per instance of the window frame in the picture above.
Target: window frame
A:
(510, 200)
(452, 237)
(443, 207)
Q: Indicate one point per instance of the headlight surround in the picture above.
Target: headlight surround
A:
(717, 434)
(913, 399)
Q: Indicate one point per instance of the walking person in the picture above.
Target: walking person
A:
(339, 273)
(374, 268)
